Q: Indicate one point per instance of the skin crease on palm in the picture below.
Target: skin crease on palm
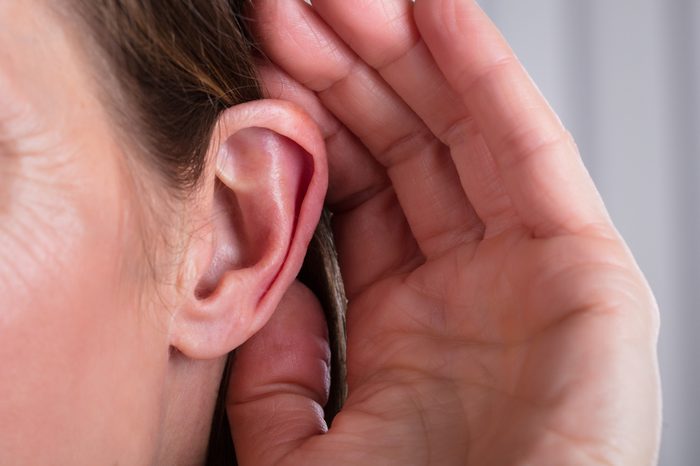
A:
(495, 315)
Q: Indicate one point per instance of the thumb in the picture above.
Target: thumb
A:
(279, 382)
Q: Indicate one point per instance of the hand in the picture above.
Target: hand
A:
(495, 315)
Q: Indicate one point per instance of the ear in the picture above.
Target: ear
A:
(261, 204)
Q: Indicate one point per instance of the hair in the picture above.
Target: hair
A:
(168, 69)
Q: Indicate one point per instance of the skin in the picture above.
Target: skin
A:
(67, 288)
(111, 352)
(495, 315)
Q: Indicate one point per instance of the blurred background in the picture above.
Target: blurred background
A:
(624, 75)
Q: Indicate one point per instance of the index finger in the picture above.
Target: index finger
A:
(537, 158)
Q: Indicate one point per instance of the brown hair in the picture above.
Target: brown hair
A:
(169, 69)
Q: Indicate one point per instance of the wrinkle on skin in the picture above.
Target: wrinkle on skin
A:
(47, 143)
(75, 339)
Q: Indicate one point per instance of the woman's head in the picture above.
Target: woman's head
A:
(152, 213)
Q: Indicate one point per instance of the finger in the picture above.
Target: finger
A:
(280, 381)
(384, 34)
(418, 164)
(354, 175)
(535, 156)
(371, 233)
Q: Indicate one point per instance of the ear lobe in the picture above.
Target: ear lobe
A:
(266, 199)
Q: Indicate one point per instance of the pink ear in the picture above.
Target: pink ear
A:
(264, 209)
(264, 179)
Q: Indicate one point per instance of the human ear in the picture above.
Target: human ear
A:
(261, 205)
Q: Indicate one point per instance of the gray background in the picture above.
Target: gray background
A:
(624, 75)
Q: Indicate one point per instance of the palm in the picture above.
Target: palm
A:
(495, 316)
(508, 333)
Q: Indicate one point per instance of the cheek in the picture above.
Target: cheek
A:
(80, 362)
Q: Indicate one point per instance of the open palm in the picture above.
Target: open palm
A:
(495, 315)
